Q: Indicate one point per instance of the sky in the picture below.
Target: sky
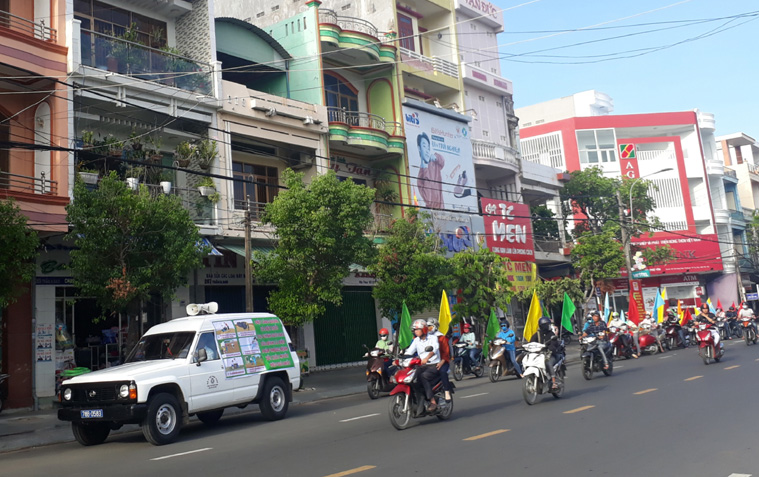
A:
(713, 74)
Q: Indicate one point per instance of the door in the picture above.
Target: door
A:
(209, 387)
(406, 32)
(342, 330)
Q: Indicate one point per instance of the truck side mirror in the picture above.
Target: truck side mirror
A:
(201, 355)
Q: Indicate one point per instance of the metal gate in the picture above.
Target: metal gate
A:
(342, 330)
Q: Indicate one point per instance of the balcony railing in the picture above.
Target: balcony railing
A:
(432, 63)
(202, 210)
(348, 23)
(752, 169)
(362, 120)
(662, 155)
(549, 246)
(737, 215)
(491, 150)
(37, 30)
(28, 184)
(133, 59)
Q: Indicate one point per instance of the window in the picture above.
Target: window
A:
(260, 14)
(738, 155)
(466, 93)
(208, 343)
(340, 94)
(486, 133)
(258, 182)
(503, 138)
(482, 98)
(596, 146)
(406, 32)
(275, 8)
(477, 64)
(461, 57)
(493, 70)
(347, 6)
(113, 21)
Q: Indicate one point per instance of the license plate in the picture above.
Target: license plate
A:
(92, 413)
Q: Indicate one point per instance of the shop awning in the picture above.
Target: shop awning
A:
(240, 249)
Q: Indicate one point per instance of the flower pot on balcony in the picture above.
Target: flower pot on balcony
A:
(90, 178)
(206, 191)
(166, 187)
(183, 162)
(133, 182)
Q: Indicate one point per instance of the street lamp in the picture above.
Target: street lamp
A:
(632, 221)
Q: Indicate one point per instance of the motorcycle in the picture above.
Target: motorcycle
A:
(499, 365)
(462, 363)
(706, 348)
(690, 332)
(647, 342)
(749, 334)
(3, 391)
(536, 379)
(407, 397)
(566, 336)
(378, 380)
(672, 337)
(591, 358)
(621, 343)
(725, 331)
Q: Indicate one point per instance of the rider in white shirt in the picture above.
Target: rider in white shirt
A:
(623, 326)
(747, 312)
(650, 326)
(428, 372)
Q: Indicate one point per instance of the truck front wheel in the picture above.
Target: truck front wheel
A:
(164, 420)
(90, 434)
(274, 400)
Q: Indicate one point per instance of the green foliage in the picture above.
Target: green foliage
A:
(129, 245)
(18, 252)
(552, 291)
(544, 227)
(320, 227)
(410, 266)
(482, 279)
(596, 257)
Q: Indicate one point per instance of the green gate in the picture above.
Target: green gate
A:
(342, 330)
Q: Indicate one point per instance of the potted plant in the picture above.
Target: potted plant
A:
(166, 178)
(133, 176)
(153, 148)
(88, 139)
(89, 176)
(113, 146)
(172, 63)
(136, 145)
(206, 153)
(183, 153)
(206, 187)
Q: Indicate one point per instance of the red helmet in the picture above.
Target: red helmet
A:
(467, 327)
(384, 331)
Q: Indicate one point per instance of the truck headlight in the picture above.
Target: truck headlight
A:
(67, 394)
(124, 391)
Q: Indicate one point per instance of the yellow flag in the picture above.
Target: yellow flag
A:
(531, 324)
(444, 317)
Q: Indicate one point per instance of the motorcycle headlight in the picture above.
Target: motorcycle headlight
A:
(67, 394)
(124, 391)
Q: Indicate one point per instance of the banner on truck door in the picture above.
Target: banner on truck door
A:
(252, 345)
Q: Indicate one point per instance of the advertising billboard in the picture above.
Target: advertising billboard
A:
(508, 229)
(440, 159)
(693, 254)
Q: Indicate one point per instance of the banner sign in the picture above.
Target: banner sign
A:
(628, 162)
(252, 345)
(522, 275)
(693, 253)
(508, 229)
(637, 294)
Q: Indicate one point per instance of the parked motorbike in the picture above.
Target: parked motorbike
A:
(499, 365)
(407, 398)
(706, 346)
(592, 362)
(748, 331)
(462, 363)
(621, 343)
(3, 390)
(536, 378)
(378, 381)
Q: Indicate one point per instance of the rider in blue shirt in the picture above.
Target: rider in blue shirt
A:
(597, 328)
(508, 335)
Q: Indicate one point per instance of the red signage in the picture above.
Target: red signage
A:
(636, 295)
(629, 167)
(508, 229)
(693, 253)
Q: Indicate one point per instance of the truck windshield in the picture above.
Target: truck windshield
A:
(162, 346)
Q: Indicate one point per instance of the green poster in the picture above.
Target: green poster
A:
(252, 345)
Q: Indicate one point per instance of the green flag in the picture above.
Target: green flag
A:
(567, 310)
(490, 331)
(405, 336)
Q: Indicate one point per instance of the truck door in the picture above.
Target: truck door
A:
(210, 387)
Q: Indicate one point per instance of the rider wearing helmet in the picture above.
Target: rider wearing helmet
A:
(546, 336)
(508, 335)
(471, 343)
(382, 342)
(597, 328)
(428, 372)
(623, 326)
(706, 316)
(445, 355)
(747, 312)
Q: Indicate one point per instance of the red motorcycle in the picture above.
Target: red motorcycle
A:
(377, 378)
(749, 333)
(407, 399)
(706, 346)
(621, 343)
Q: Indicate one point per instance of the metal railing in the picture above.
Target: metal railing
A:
(491, 150)
(393, 128)
(257, 209)
(432, 63)
(37, 30)
(355, 118)
(133, 59)
(662, 155)
(752, 169)
(549, 246)
(348, 23)
(28, 184)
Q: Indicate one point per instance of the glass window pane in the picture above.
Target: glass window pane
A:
(83, 6)
(236, 167)
(272, 172)
(259, 171)
(592, 157)
(612, 155)
(586, 140)
(605, 138)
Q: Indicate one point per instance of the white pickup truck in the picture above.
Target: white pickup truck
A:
(197, 365)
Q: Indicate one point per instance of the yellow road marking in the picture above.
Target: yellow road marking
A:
(487, 434)
(352, 471)
(579, 409)
(734, 366)
(646, 391)
(694, 378)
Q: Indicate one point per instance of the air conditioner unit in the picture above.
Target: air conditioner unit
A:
(300, 160)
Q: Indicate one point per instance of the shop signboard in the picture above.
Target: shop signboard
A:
(440, 158)
(508, 229)
(693, 253)
(252, 345)
(628, 161)
(522, 275)
(637, 295)
(459, 231)
(752, 296)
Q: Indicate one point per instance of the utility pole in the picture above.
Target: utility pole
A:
(248, 271)
(625, 239)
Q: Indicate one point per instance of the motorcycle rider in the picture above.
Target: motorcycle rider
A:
(471, 344)
(508, 335)
(428, 371)
(445, 355)
(386, 348)
(731, 315)
(708, 317)
(649, 326)
(747, 312)
(597, 328)
(546, 336)
(622, 325)
(673, 321)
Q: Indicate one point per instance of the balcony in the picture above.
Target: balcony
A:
(27, 27)
(364, 133)
(133, 59)
(352, 41)
(730, 175)
(547, 251)
(737, 217)
(15, 183)
(494, 159)
(430, 64)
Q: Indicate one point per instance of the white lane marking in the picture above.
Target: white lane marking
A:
(473, 395)
(360, 417)
(739, 475)
(665, 357)
(618, 366)
(183, 453)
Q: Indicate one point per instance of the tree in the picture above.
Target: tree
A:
(18, 253)
(552, 291)
(482, 280)
(320, 227)
(596, 257)
(129, 245)
(410, 266)
(544, 225)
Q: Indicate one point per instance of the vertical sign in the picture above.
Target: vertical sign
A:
(508, 229)
(628, 161)
(636, 292)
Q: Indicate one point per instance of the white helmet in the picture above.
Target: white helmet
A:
(419, 324)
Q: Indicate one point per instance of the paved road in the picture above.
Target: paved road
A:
(664, 415)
